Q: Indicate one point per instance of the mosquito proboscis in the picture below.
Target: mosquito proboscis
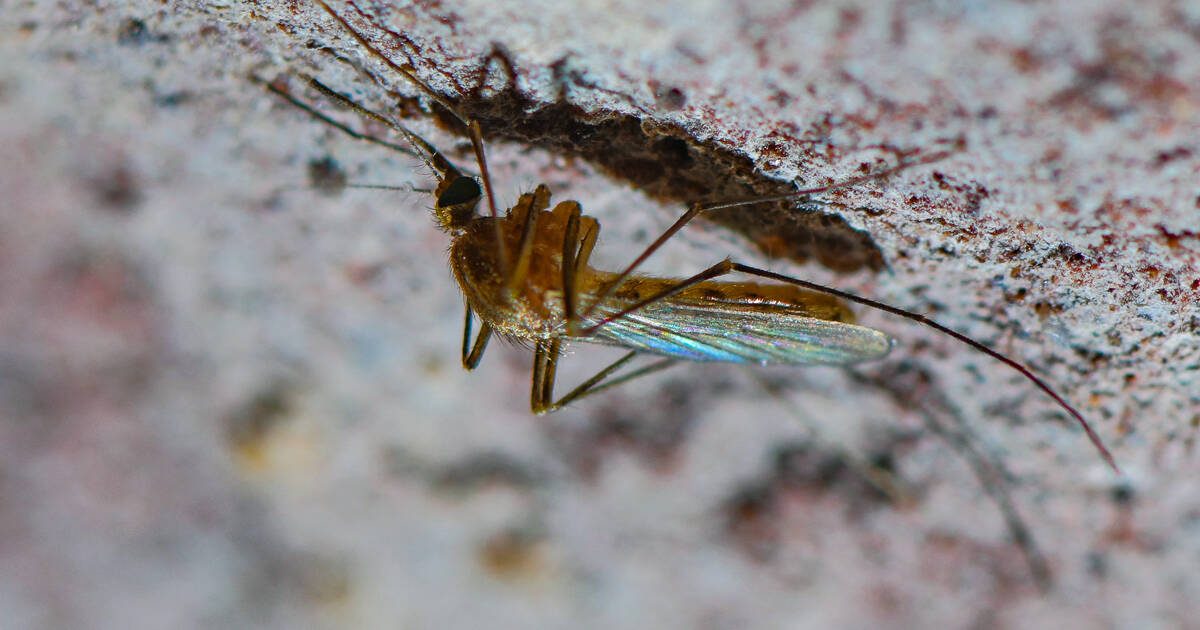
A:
(525, 275)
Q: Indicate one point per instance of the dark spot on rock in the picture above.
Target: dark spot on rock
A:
(321, 578)
(134, 32)
(118, 190)
(247, 426)
(751, 516)
(512, 553)
(669, 97)
(173, 99)
(1122, 494)
(664, 161)
(1069, 254)
(326, 175)
(482, 470)
(1178, 153)
(803, 464)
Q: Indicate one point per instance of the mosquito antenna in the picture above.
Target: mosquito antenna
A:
(405, 188)
(476, 134)
(308, 109)
(407, 72)
(350, 186)
(423, 149)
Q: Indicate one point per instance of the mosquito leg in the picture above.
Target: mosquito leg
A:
(545, 365)
(699, 209)
(720, 269)
(571, 283)
(576, 251)
(552, 354)
(921, 319)
(691, 213)
(683, 220)
(591, 232)
(532, 205)
(538, 376)
(595, 384)
(473, 352)
(570, 254)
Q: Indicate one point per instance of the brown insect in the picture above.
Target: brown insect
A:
(525, 275)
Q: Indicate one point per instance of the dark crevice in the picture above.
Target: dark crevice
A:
(669, 166)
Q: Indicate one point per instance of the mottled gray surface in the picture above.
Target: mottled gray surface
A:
(231, 399)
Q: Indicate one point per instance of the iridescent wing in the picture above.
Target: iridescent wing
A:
(737, 332)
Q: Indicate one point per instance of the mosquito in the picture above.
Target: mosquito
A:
(525, 276)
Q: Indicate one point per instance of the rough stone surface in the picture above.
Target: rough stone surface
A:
(229, 384)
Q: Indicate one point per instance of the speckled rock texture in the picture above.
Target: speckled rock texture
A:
(230, 392)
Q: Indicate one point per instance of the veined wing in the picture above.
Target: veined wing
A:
(737, 332)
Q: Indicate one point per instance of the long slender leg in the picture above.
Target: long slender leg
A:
(570, 250)
(598, 383)
(720, 269)
(538, 376)
(552, 352)
(576, 251)
(571, 283)
(690, 214)
(699, 209)
(537, 383)
(591, 232)
(921, 319)
(532, 205)
(545, 366)
(473, 352)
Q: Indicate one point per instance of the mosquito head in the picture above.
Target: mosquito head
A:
(457, 199)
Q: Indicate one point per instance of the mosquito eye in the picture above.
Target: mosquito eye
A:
(460, 191)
